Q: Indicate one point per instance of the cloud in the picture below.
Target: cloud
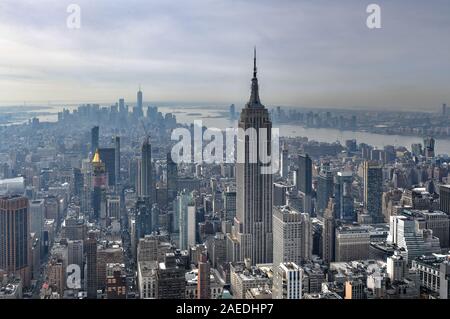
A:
(310, 53)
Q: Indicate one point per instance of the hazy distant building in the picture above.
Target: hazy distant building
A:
(95, 134)
(429, 147)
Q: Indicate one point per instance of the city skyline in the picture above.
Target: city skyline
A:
(133, 199)
(314, 55)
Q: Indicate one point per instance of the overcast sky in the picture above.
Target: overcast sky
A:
(310, 53)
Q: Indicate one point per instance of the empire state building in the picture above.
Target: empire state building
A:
(253, 222)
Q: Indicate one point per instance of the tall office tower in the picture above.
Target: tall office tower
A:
(232, 112)
(444, 109)
(229, 204)
(329, 233)
(95, 135)
(204, 280)
(416, 149)
(108, 157)
(304, 181)
(117, 162)
(444, 198)
(78, 182)
(284, 162)
(172, 179)
(253, 222)
(143, 218)
(15, 237)
(429, 145)
(344, 196)
(121, 105)
(325, 185)
(138, 112)
(91, 265)
(373, 190)
(75, 252)
(37, 217)
(304, 174)
(185, 211)
(147, 171)
(292, 236)
(287, 281)
(99, 181)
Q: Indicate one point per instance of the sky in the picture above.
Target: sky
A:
(310, 53)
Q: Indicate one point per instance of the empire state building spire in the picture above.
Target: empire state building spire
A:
(254, 101)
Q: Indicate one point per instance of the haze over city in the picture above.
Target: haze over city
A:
(312, 54)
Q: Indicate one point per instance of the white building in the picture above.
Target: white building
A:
(405, 233)
(292, 236)
(287, 281)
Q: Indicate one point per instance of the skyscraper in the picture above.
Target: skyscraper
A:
(108, 157)
(99, 182)
(185, 209)
(172, 178)
(284, 162)
(204, 281)
(325, 189)
(444, 198)
(95, 131)
(304, 174)
(344, 197)
(304, 181)
(328, 235)
(253, 223)
(429, 145)
(91, 265)
(292, 236)
(15, 237)
(147, 170)
(138, 111)
(37, 213)
(373, 190)
(117, 161)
